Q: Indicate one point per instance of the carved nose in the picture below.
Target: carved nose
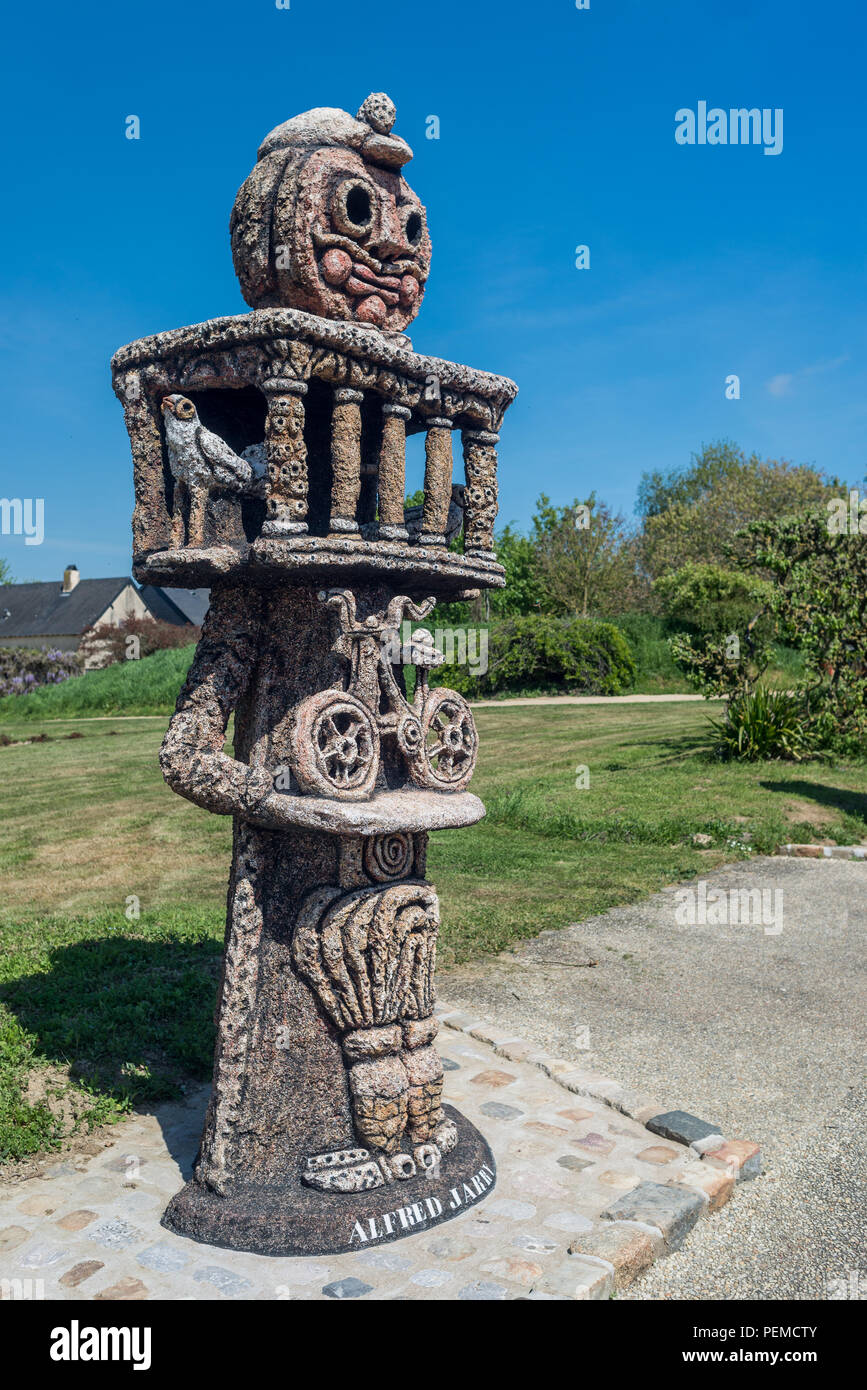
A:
(391, 241)
(389, 249)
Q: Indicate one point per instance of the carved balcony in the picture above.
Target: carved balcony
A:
(315, 414)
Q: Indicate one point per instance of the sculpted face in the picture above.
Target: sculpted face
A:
(359, 239)
(327, 223)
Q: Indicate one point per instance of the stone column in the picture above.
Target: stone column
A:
(480, 495)
(437, 481)
(286, 452)
(392, 472)
(345, 460)
(326, 1117)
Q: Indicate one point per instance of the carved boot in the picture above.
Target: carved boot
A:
(379, 1086)
(425, 1072)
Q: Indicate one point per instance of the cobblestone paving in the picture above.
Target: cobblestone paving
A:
(88, 1227)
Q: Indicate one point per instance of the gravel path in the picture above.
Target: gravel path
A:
(762, 1034)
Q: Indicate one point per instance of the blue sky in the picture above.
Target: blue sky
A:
(556, 129)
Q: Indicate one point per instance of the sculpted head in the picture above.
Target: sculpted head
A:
(327, 223)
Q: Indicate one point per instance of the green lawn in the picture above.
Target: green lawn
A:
(149, 686)
(100, 1009)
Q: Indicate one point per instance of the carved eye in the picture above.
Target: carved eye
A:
(414, 228)
(352, 207)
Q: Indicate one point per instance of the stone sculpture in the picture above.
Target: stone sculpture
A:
(269, 454)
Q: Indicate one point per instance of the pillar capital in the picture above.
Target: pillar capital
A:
(284, 386)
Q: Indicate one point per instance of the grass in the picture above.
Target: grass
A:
(149, 686)
(101, 1010)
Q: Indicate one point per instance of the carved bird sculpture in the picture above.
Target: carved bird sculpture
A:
(201, 463)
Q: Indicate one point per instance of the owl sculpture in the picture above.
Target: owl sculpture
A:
(202, 462)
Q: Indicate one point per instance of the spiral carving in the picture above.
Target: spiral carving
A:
(388, 856)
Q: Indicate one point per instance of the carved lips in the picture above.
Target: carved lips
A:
(374, 292)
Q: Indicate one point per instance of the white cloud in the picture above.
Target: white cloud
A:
(780, 385)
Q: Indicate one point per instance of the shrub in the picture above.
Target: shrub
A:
(766, 724)
(106, 643)
(711, 599)
(718, 671)
(542, 653)
(815, 603)
(23, 669)
(647, 636)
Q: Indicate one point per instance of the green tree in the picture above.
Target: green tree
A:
(585, 559)
(694, 515)
(819, 602)
(522, 594)
(816, 600)
(5, 572)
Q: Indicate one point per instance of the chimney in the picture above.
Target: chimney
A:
(70, 579)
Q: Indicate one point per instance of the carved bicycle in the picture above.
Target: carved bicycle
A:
(336, 738)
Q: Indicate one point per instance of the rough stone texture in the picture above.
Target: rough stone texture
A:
(673, 1210)
(628, 1249)
(717, 1186)
(326, 1110)
(437, 482)
(679, 1125)
(392, 472)
(345, 459)
(332, 250)
(78, 1273)
(480, 494)
(270, 481)
(739, 1157)
(288, 1218)
(286, 454)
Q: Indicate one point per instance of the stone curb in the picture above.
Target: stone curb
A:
(612, 1256)
(823, 851)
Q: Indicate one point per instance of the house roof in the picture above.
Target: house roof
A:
(43, 610)
(177, 605)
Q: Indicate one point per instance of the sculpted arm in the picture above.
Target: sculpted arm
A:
(192, 758)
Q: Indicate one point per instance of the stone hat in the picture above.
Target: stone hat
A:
(369, 132)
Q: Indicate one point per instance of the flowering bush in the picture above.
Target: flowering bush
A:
(133, 638)
(24, 668)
